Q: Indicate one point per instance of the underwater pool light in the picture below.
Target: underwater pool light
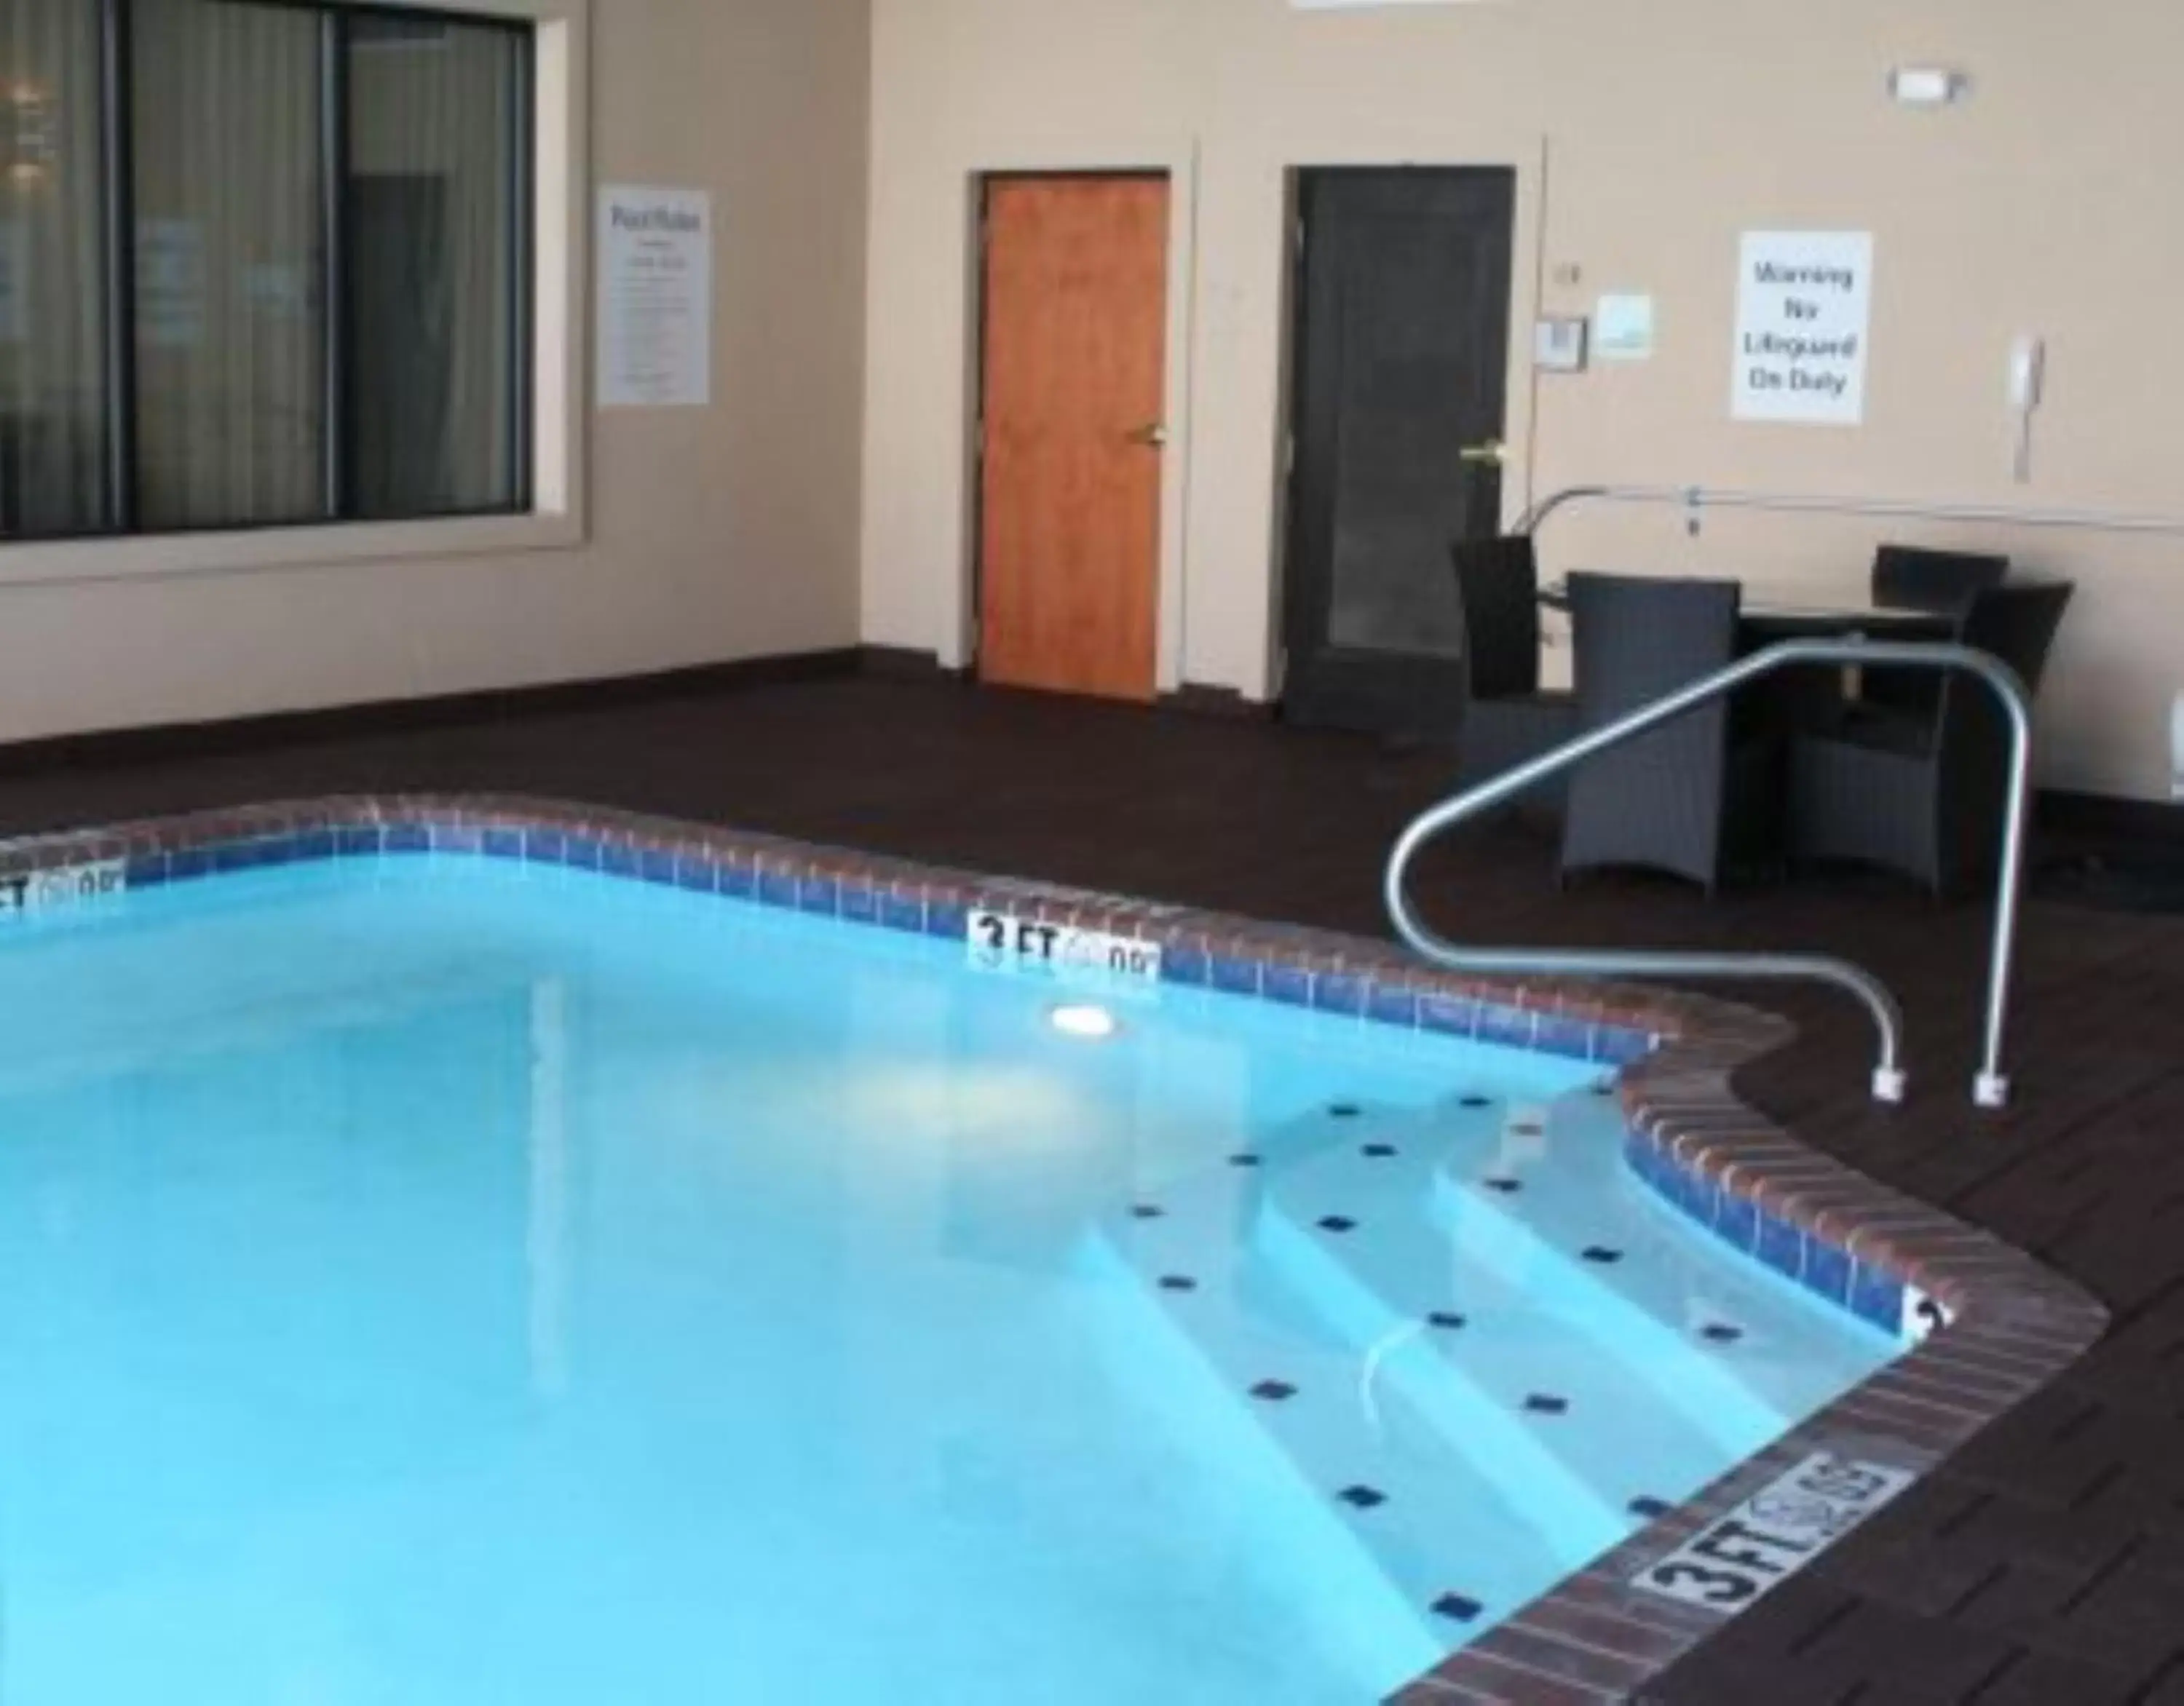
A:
(1084, 1021)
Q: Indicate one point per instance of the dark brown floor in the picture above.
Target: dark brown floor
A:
(2044, 1564)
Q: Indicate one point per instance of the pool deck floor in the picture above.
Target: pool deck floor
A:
(2043, 1563)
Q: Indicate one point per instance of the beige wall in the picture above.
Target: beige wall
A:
(1648, 137)
(712, 534)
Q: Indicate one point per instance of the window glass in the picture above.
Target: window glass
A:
(229, 333)
(433, 292)
(262, 263)
(433, 282)
(53, 417)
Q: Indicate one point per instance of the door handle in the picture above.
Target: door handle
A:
(1153, 435)
(1491, 454)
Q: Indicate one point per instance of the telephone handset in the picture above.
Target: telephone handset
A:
(2028, 373)
(2028, 382)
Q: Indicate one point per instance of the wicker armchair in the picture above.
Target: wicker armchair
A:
(1681, 799)
(1910, 577)
(1924, 795)
(1508, 718)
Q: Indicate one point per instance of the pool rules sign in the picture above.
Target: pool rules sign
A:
(655, 259)
(1803, 309)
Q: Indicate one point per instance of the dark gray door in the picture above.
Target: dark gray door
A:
(1399, 364)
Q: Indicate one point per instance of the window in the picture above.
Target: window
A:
(261, 264)
(55, 345)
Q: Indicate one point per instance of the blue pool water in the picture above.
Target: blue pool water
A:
(431, 1281)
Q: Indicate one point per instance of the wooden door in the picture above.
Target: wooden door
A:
(1073, 389)
(1400, 363)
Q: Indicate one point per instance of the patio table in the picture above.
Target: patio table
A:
(1766, 620)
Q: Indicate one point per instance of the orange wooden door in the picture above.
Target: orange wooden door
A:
(1076, 323)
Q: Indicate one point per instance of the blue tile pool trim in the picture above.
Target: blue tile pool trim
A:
(1380, 991)
(1985, 1325)
(1871, 1290)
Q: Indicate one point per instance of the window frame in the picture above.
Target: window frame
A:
(550, 256)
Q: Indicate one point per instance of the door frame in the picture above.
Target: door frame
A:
(1180, 169)
(1528, 294)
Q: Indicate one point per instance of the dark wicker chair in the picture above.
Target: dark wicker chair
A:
(1667, 800)
(1911, 577)
(1925, 795)
(1508, 718)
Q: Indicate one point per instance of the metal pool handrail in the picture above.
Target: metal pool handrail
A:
(1694, 499)
(1991, 1089)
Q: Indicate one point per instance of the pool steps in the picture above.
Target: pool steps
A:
(1525, 1323)
(1343, 1427)
(1513, 1350)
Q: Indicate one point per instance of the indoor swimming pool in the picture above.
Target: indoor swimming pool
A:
(444, 1279)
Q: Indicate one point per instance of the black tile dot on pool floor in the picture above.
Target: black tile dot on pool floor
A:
(1274, 1391)
(1379, 1151)
(1721, 1333)
(1507, 1187)
(1244, 1158)
(1446, 1320)
(1343, 1110)
(1458, 1607)
(1146, 1211)
(1362, 1498)
(1476, 1101)
(1338, 1223)
(1177, 1283)
(1600, 1255)
(1546, 1404)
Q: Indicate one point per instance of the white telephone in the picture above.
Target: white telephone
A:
(2028, 380)
(2028, 373)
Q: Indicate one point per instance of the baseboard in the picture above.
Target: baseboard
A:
(167, 742)
(2107, 817)
(910, 664)
(906, 664)
(1196, 699)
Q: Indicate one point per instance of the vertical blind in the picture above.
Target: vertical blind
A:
(261, 263)
(54, 348)
(434, 213)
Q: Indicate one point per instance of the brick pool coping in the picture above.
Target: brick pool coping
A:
(2007, 1326)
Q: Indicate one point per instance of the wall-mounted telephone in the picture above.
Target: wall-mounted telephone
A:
(2028, 373)
(2028, 380)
